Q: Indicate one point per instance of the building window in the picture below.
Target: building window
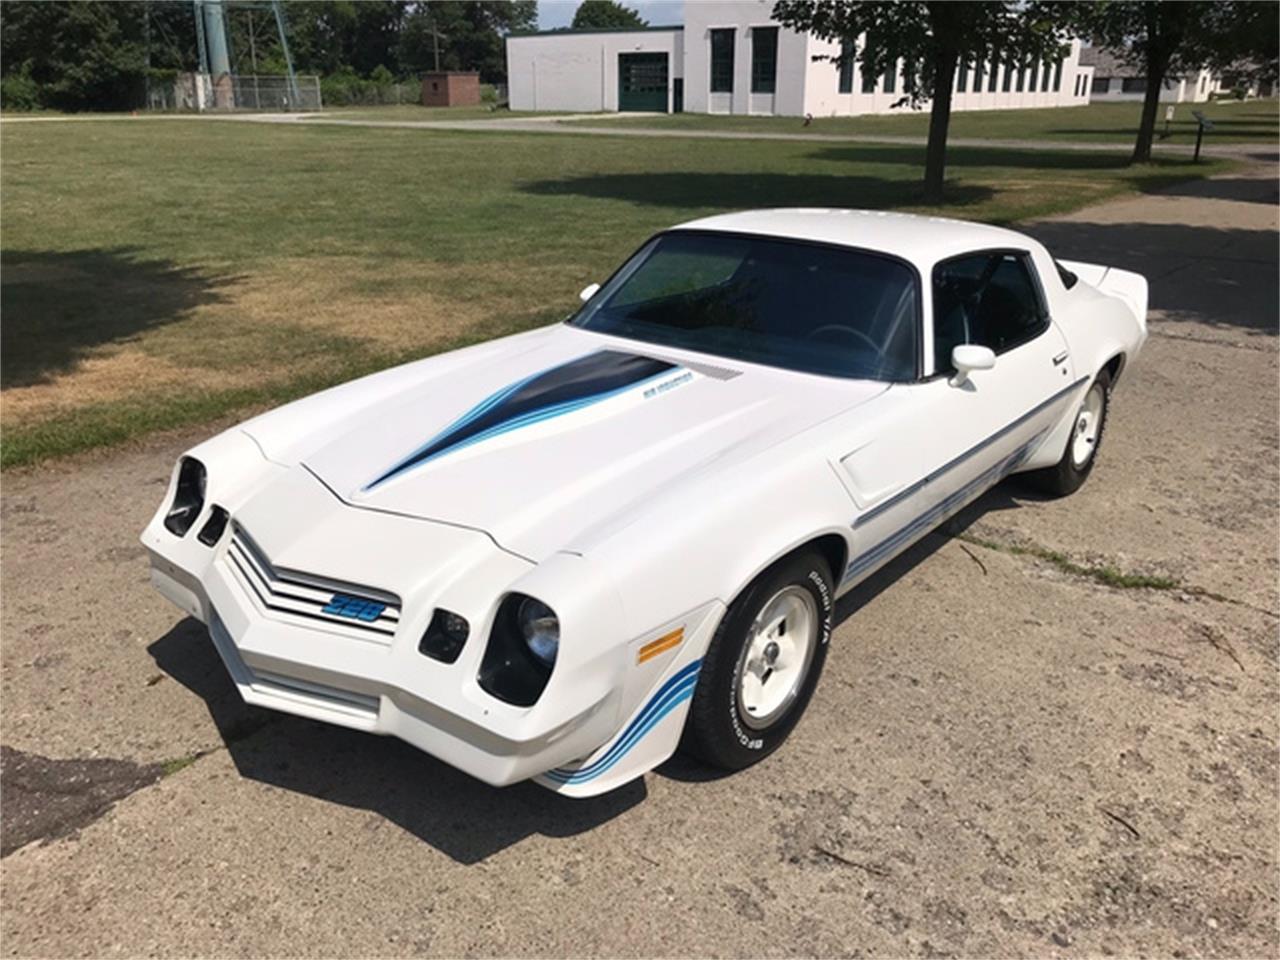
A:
(1008, 77)
(1101, 84)
(977, 77)
(1021, 79)
(1134, 85)
(764, 59)
(995, 73)
(891, 76)
(1057, 77)
(962, 78)
(846, 67)
(722, 61)
(1047, 77)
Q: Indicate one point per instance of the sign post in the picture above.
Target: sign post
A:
(1203, 123)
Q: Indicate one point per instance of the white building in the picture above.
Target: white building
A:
(1115, 81)
(729, 57)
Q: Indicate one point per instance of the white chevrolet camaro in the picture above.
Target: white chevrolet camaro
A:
(563, 554)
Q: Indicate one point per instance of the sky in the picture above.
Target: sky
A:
(659, 13)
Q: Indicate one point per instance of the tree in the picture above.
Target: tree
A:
(1162, 38)
(606, 15)
(471, 35)
(932, 39)
(1165, 39)
(79, 55)
(1246, 41)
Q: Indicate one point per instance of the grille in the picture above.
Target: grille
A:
(369, 613)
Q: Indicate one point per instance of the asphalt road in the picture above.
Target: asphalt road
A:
(1005, 756)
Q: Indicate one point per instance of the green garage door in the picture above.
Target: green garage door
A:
(642, 82)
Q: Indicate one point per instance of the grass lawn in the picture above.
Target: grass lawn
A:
(155, 274)
(1234, 122)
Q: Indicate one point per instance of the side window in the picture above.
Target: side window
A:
(987, 299)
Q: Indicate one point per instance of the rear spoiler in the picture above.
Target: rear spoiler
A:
(1124, 285)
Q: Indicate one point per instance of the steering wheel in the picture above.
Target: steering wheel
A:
(845, 329)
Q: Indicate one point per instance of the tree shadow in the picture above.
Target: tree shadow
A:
(1240, 189)
(962, 157)
(59, 306)
(463, 818)
(736, 190)
(1219, 276)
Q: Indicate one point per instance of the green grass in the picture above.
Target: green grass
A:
(1105, 574)
(158, 274)
(1234, 122)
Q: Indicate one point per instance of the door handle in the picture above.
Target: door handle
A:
(1061, 358)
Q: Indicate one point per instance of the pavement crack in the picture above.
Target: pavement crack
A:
(1212, 341)
(1109, 575)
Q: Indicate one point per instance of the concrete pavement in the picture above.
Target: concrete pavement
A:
(1004, 756)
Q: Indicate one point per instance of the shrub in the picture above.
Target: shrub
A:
(19, 92)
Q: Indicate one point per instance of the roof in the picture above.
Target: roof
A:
(570, 32)
(1107, 63)
(919, 239)
(1111, 63)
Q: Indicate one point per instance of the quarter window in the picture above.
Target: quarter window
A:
(988, 299)
(722, 61)
(764, 59)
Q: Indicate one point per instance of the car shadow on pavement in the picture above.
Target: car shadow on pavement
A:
(463, 818)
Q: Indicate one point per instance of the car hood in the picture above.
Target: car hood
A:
(539, 442)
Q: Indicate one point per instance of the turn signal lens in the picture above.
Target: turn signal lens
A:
(445, 637)
(188, 497)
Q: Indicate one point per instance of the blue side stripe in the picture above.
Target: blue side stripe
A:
(670, 695)
(919, 485)
(933, 515)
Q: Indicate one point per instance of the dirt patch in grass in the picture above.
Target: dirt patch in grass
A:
(299, 318)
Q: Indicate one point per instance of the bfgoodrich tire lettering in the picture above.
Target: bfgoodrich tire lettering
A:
(720, 729)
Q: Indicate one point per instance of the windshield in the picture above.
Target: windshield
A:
(801, 306)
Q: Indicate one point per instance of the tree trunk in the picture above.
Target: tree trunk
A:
(1157, 66)
(935, 158)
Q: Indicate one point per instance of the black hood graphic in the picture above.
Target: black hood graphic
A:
(551, 393)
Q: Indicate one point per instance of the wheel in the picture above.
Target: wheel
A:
(762, 664)
(1082, 445)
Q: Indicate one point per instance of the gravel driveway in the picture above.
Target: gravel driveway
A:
(1006, 755)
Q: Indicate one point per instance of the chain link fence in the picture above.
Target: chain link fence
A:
(201, 92)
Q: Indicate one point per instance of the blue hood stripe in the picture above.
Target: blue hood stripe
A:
(551, 393)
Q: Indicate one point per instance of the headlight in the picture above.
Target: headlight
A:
(188, 497)
(541, 629)
(521, 651)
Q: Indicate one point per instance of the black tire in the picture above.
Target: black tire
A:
(715, 731)
(1068, 475)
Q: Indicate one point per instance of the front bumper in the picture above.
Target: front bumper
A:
(380, 684)
(270, 667)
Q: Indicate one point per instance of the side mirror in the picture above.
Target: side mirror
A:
(588, 292)
(968, 357)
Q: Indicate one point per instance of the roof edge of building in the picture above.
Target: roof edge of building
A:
(570, 32)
